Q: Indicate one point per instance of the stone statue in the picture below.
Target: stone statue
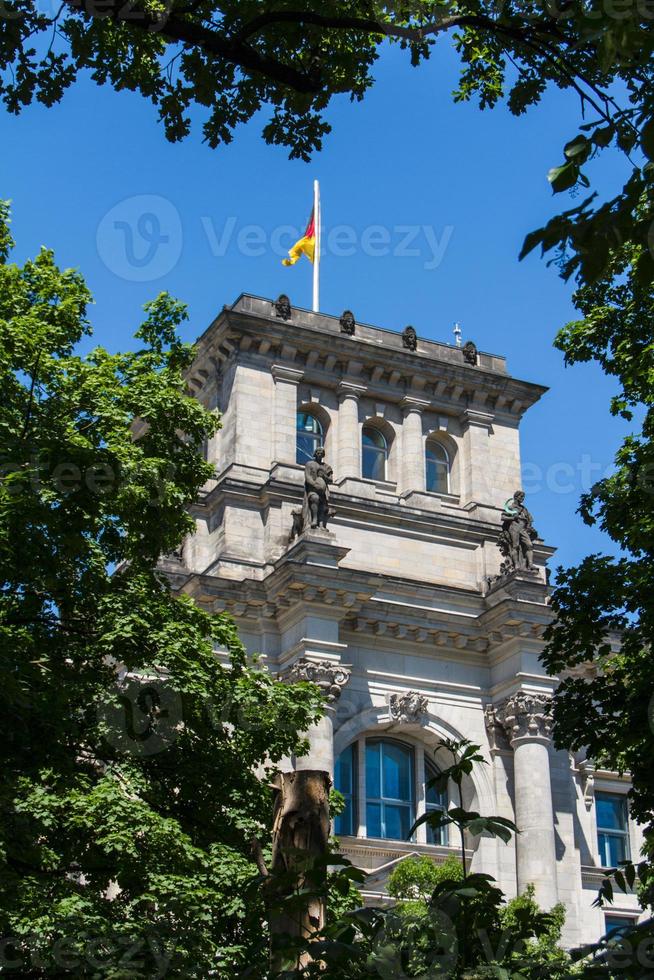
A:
(315, 509)
(282, 307)
(469, 351)
(348, 323)
(317, 477)
(410, 338)
(517, 535)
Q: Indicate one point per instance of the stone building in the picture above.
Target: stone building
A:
(400, 610)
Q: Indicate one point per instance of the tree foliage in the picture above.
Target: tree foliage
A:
(129, 793)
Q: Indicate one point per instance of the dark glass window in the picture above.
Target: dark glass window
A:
(309, 436)
(345, 782)
(435, 802)
(374, 454)
(389, 789)
(390, 781)
(437, 468)
(614, 925)
(612, 828)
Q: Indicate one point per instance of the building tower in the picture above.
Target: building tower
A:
(401, 610)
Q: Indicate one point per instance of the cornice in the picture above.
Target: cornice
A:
(374, 358)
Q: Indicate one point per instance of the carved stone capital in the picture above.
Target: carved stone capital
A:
(350, 389)
(331, 678)
(524, 716)
(281, 372)
(412, 404)
(408, 708)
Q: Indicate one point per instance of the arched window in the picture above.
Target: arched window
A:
(309, 436)
(437, 467)
(374, 454)
(392, 786)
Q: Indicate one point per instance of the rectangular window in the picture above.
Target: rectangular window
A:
(614, 925)
(612, 828)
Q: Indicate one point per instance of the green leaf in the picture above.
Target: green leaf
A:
(564, 177)
(578, 149)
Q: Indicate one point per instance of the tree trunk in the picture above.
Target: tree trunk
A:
(300, 834)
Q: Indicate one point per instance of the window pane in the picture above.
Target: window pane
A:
(432, 795)
(373, 820)
(437, 477)
(397, 820)
(374, 439)
(611, 811)
(436, 836)
(309, 436)
(616, 923)
(373, 462)
(397, 781)
(437, 468)
(373, 774)
(343, 771)
(612, 849)
(344, 822)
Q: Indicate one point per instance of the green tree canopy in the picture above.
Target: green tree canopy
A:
(130, 787)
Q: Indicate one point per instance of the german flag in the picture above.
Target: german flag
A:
(305, 245)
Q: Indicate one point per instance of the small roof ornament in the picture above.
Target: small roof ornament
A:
(457, 334)
(410, 338)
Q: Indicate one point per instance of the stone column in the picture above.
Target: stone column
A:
(412, 476)
(527, 721)
(348, 458)
(285, 412)
(476, 485)
(331, 678)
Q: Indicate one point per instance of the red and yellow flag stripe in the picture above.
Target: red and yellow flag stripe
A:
(305, 245)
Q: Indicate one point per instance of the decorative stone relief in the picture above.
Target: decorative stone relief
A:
(524, 715)
(496, 733)
(410, 338)
(331, 678)
(348, 323)
(409, 708)
(587, 773)
(282, 306)
(469, 351)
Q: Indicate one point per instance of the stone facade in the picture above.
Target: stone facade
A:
(398, 611)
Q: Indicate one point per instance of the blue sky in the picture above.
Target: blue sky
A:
(465, 185)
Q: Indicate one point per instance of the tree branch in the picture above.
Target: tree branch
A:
(185, 32)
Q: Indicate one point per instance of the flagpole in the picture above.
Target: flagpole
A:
(316, 256)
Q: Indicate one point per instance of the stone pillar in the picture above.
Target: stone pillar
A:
(331, 678)
(527, 721)
(412, 475)
(421, 803)
(348, 458)
(285, 412)
(475, 464)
